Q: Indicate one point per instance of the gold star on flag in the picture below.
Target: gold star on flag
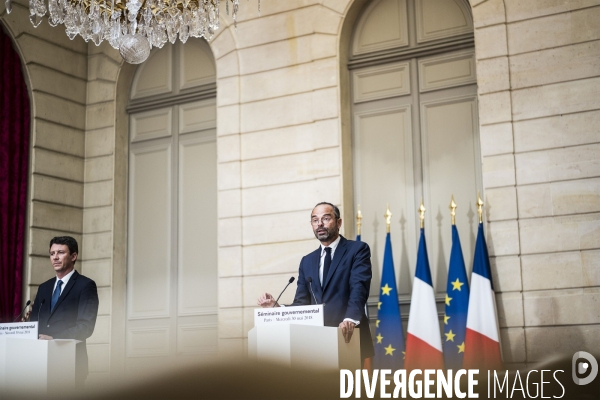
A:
(450, 336)
(386, 289)
(403, 355)
(377, 323)
(379, 338)
(389, 350)
(456, 285)
(379, 305)
(448, 300)
(446, 318)
(461, 347)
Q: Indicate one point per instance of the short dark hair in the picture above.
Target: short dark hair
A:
(336, 210)
(70, 242)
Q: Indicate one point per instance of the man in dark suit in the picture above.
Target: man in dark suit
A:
(340, 277)
(67, 306)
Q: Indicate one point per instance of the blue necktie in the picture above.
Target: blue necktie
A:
(56, 295)
(326, 264)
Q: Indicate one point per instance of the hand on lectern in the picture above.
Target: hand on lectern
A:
(45, 337)
(347, 328)
(265, 300)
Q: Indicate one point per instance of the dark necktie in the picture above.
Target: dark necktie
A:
(326, 264)
(56, 295)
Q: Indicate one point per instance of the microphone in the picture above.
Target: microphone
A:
(292, 279)
(24, 308)
(40, 309)
(309, 279)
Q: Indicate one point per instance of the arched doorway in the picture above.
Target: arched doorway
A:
(415, 131)
(172, 207)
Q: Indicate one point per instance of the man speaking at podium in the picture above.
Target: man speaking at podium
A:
(67, 306)
(338, 274)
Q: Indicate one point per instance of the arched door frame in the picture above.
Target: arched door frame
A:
(124, 81)
(354, 11)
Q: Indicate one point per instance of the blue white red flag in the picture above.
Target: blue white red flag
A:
(482, 347)
(423, 342)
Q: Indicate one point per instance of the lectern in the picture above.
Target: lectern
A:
(292, 343)
(37, 366)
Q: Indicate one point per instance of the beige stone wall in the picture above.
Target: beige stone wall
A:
(102, 179)
(538, 75)
(282, 147)
(279, 148)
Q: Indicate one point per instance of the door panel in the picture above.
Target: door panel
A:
(172, 227)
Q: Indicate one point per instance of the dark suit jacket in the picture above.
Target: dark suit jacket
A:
(345, 290)
(74, 315)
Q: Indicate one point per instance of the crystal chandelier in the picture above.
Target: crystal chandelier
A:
(132, 26)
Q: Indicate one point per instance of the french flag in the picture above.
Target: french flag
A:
(423, 342)
(482, 347)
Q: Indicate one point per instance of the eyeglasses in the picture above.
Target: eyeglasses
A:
(325, 220)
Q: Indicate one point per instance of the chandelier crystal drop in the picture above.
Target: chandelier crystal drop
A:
(134, 49)
(132, 26)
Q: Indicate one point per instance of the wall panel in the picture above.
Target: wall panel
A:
(197, 253)
(149, 232)
(383, 174)
(450, 161)
(381, 82)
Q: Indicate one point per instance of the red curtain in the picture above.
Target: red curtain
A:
(14, 160)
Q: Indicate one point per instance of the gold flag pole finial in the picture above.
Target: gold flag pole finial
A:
(453, 210)
(480, 207)
(358, 220)
(422, 214)
(388, 218)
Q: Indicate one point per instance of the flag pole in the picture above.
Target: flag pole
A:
(456, 308)
(423, 342)
(481, 262)
(480, 207)
(368, 362)
(389, 339)
(388, 218)
(358, 221)
(453, 207)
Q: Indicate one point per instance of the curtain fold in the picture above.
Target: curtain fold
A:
(14, 160)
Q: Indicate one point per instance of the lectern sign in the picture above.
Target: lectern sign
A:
(22, 330)
(301, 315)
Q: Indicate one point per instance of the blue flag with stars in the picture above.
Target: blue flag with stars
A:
(389, 338)
(457, 305)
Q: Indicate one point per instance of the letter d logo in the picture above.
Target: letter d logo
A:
(582, 367)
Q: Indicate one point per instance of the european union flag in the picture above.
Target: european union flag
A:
(457, 305)
(389, 339)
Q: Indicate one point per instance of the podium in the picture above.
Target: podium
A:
(37, 366)
(297, 345)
